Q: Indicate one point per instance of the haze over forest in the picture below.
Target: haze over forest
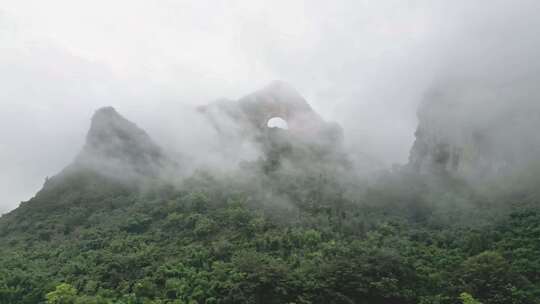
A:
(269, 152)
(366, 65)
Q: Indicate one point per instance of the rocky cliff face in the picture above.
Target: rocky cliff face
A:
(119, 148)
(117, 158)
(307, 139)
(476, 133)
(248, 116)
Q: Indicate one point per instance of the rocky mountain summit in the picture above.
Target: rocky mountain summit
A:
(307, 137)
(119, 148)
(116, 152)
(251, 113)
(457, 135)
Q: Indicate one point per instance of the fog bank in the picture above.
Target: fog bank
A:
(364, 64)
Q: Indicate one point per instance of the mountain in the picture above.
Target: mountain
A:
(116, 152)
(252, 112)
(117, 158)
(458, 135)
(121, 150)
(294, 226)
(308, 138)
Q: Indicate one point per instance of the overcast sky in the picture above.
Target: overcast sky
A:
(365, 64)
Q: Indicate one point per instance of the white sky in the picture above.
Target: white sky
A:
(365, 64)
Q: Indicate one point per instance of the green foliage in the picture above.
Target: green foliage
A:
(311, 239)
(468, 299)
(63, 294)
(490, 277)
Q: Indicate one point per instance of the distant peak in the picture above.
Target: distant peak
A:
(106, 111)
(104, 116)
(107, 124)
(115, 144)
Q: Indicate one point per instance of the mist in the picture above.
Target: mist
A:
(366, 65)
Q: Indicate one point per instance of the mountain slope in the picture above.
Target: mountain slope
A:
(111, 228)
(118, 158)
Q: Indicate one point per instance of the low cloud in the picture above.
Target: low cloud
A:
(364, 64)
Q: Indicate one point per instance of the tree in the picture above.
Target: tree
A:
(468, 299)
(491, 278)
(63, 294)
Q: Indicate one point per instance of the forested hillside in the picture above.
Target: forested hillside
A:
(297, 225)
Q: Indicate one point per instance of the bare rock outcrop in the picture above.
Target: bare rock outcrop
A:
(476, 132)
(117, 148)
(249, 116)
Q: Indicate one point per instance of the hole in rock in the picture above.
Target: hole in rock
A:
(277, 122)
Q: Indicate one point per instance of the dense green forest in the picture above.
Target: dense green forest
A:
(224, 239)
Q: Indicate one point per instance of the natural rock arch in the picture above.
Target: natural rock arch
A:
(277, 122)
(252, 113)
